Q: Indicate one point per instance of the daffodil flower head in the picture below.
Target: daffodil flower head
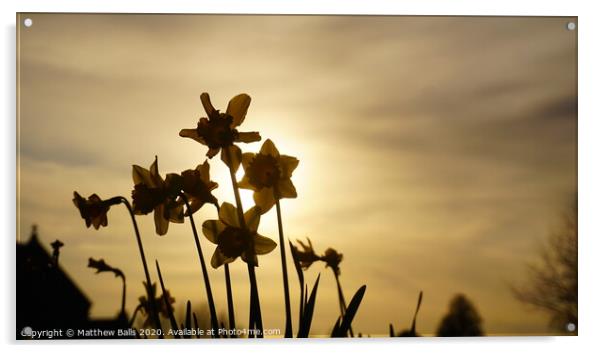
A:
(143, 300)
(165, 306)
(218, 130)
(152, 193)
(268, 174)
(305, 256)
(233, 239)
(102, 266)
(146, 306)
(93, 210)
(197, 187)
(332, 259)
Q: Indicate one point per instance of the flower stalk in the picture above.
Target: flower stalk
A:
(210, 301)
(255, 320)
(288, 332)
(155, 312)
(231, 318)
(123, 291)
(342, 303)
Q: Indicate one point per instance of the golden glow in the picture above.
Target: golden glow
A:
(435, 158)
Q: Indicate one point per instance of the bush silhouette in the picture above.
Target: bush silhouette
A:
(461, 320)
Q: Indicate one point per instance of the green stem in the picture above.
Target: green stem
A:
(212, 311)
(288, 332)
(255, 320)
(342, 302)
(150, 295)
(231, 319)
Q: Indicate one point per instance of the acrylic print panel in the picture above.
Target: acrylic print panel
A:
(213, 176)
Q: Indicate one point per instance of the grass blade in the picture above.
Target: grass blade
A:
(416, 313)
(335, 329)
(301, 281)
(309, 311)
(350, 313)
(188, 324)
(391, 331)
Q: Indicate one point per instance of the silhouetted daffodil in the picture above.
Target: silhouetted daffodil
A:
(305, 256)
(102, 266)
(218, 130)
(332, 259)
(197, 187)
(232, 239)
(268, 174)
(146, 306)
(152, 193)
(93, 210)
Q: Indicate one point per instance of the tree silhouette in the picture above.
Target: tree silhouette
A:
(461, 320)
(552, 283)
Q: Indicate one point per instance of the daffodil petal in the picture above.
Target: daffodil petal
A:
(232, 156)
(195, 205)
(252, 217)
(237, 108)
(245, 183)
(268, 148)
(212, 152)
(141, 175)
(154, 173)
(248, 137)
(193, 134)
(161, 224)
(207, 104)
(219, 259)
(263, 245)
(264, 198)
(286, 189)
(77, 199)
(204, 171)
(247, 158)
(228, 214)
(176, 214)
(212, 230)
(288, 165)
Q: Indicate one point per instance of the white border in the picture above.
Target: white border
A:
(590, 173)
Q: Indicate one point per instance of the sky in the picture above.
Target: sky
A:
(436, 153)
